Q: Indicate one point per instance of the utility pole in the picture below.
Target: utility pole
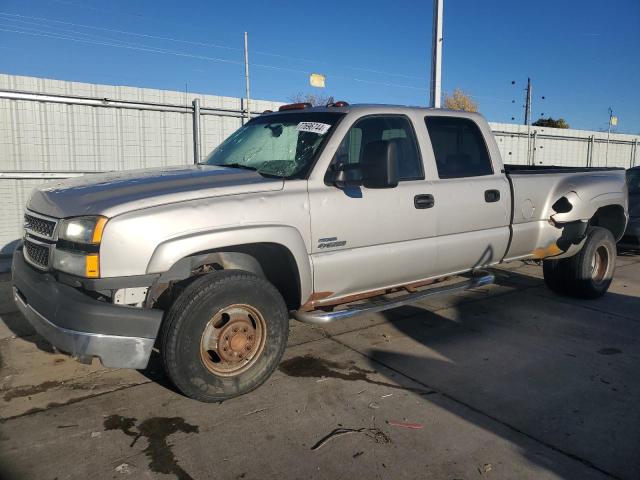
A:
(527, 105)
(196, 131)
(527, 121)
(436, 55)
(246, 72)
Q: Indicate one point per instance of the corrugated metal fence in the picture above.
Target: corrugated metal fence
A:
(564, 147)
(57, 129)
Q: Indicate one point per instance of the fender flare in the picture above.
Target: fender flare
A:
(585, 209)
(169, 252)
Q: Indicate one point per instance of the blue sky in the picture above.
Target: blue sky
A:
(582, 56)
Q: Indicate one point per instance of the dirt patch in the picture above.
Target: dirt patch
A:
(308, 366)
(29, 390)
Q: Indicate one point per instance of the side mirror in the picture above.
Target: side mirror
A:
(344, 174)
(380, 164)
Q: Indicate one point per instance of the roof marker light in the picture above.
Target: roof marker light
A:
(295, 106)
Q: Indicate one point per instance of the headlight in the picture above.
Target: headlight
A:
(86, 230)
(80, 264)
(81, 257)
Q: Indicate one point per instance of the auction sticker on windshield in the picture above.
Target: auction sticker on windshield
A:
(313, 127)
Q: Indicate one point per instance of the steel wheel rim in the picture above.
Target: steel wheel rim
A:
(599, 264)
(233, 340)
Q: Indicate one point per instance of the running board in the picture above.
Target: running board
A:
(320, 317)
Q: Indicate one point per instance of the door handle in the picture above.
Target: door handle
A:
(491, 196)
(423, 201)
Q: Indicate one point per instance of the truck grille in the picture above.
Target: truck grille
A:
(39, 226)
(36, 254)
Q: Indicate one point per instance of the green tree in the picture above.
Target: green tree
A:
(550, 122)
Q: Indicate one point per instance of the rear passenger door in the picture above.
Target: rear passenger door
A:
(472, 200)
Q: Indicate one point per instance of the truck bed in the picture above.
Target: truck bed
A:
(535, 189)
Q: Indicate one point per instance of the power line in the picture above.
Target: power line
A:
(125, 32)
(109, 42)
(61, 29)
(148, 49)
(188, 55)
(131, 47)
(201, 44)
(389, 73)
(155, 37)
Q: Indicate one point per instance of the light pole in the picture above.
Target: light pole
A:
(613, 121)
(436, 55)
(246, 71)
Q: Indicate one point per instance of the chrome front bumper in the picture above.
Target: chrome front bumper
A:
(78, 324)
(114, 351)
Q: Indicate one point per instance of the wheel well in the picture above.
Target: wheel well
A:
(273, 261)
(612, 218)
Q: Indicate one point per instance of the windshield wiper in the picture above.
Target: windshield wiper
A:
(248, 167)
(237, 165)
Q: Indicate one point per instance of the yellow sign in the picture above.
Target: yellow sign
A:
(614, 121)
(317, 80)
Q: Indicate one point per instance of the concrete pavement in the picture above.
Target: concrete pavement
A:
(508, 381)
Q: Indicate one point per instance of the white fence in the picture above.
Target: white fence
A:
(564, 147)
(57, 129)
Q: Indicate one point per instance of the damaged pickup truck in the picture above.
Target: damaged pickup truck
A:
(316, 214)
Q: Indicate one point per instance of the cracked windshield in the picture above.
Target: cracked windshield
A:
(281, 145)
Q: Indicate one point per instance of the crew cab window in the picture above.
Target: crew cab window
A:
(394, 128)
(459, 147)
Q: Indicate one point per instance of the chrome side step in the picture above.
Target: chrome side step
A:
(320, 317)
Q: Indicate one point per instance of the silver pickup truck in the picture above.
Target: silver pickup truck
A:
(316, 214)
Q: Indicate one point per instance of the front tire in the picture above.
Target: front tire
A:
(589, 273)
(224, 335)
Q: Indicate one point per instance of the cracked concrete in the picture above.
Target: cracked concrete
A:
(508, 381)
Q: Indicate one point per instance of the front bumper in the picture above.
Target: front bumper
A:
(121, 336)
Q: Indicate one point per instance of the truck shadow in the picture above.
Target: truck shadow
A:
(544, 372)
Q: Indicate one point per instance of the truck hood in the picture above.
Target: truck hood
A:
(111, 194)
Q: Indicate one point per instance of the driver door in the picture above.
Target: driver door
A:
(372, 238)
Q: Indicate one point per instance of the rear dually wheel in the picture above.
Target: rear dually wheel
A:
(589, 273)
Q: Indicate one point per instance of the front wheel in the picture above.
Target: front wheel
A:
(224, 335)
(589, 273)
